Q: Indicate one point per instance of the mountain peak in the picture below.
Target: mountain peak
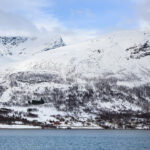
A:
(21, 45)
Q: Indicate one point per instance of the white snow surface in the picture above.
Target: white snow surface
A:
(5, 126)
(102, 57)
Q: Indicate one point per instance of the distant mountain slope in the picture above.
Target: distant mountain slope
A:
(20, 45)
(18, 48)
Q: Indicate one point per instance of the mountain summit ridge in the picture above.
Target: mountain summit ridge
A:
(23, 45)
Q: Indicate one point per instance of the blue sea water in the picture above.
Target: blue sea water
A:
(74, 140)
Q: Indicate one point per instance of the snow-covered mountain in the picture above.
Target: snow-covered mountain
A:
(86, 81)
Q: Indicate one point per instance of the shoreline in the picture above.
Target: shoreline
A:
(70, 128)
(75, 129)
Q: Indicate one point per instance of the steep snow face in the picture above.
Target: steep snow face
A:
(124, 56)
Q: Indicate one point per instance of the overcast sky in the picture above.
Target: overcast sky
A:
(74, 20)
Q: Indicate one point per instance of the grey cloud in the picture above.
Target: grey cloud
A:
(18, 16)
(13, 24)
(143, 7)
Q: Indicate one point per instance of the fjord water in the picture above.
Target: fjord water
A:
(74, 140)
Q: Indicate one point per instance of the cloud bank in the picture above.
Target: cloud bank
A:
(30, 18)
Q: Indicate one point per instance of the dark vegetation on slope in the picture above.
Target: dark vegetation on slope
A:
(130, 120)
(140, 51)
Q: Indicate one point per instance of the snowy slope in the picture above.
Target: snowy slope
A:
(110, 56)
(108, 74)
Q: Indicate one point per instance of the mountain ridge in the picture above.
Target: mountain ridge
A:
(19, 45)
